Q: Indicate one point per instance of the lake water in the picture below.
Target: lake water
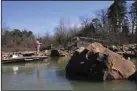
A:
(50, 75)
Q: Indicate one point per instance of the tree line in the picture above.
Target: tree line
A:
(17, 39)
(117, 24)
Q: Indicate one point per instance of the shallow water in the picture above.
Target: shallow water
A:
(50, 75)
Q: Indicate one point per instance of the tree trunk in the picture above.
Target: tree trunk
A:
(133, 25)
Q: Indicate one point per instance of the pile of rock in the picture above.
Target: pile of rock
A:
(95, 62)
(116, 48)
(126, 51)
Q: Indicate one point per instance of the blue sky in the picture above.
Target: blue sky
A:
(43, 16)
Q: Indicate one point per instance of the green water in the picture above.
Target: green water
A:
(50, 75)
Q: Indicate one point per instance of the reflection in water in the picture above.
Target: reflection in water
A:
(38, 76)
(107, 85)
(15, 69)
(55, 59)
(50, 75)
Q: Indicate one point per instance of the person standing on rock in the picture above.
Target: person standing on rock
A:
(38, 45)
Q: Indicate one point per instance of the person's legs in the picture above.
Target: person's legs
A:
(38, 47)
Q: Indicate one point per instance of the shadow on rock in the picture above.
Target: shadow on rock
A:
(56, 53)
(133, 77)
(86, 68)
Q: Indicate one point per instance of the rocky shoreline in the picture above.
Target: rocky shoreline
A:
(129, 50)
(94, 61)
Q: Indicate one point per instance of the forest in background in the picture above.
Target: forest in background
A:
(117, 25)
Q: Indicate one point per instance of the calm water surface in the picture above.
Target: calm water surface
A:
(50, 75)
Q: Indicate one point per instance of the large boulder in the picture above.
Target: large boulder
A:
(57, 53)
(54, 53)
(98, 63)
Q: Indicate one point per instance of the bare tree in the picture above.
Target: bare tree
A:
(84, 21)
(102, 16)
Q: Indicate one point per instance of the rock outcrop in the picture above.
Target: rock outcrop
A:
(98, 63)
(55, 53)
